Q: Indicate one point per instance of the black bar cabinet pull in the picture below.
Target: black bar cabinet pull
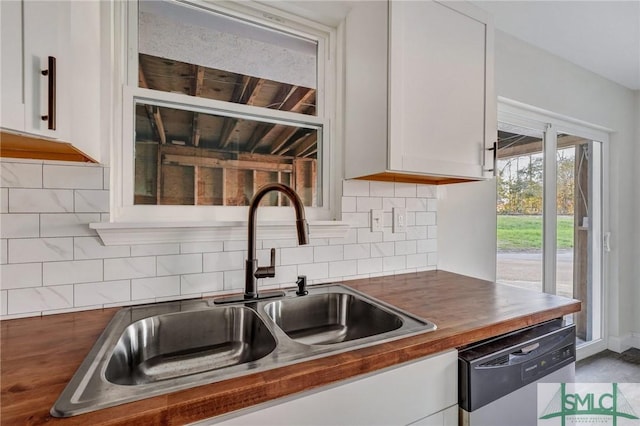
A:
(50, 118)
(494, 148)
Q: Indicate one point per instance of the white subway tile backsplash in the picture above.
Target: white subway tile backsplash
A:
(405, 190)
(72, 177)
(344, 268)
(296, 255)
(351, 237)
(4, 200)
(349, 204)
(67, 224)
(202, 283)
(357, 220)
(223, 261)
(129, 267)
(365, 204)
(328, 253)
(92, 248)
(40, 200)
(20, 175)
(106, 179)
(427, 246)
(3, 302)
(389, 235)
(20, 275)
(381, 189)
(72, 272)
(38, 299)
(25, 225)
(357, 251)
(418, 260)
(389, 203)
(40, 250)
(155, 287)
(366, 236)
(383, 249)
(155, 249)
(432, 232)
(394, 263)
(101, 293)
(355, 188)
(416, 204)
(425, 218)
(417, 232)
(427, 191)
(179, 264)
(234, 280)
(57, 264)
(314, 271)
(89, 201)
(370, 266)
(203, 247)
(405, 247)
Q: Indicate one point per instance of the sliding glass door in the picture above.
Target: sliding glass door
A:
(550, 212)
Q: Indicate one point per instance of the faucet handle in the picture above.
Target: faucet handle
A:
(267, 271)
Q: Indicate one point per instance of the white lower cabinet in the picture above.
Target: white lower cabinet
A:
(422, 392)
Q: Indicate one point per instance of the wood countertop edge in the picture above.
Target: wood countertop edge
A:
(224, 397)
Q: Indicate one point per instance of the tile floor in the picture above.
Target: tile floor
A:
(610, 367)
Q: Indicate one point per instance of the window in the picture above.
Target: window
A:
(218, 101)
(551, 211)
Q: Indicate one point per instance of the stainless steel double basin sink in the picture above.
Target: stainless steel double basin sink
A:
(155, 349)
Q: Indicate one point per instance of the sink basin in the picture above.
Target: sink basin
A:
(325, 319)
(184, 343)
(151, 350)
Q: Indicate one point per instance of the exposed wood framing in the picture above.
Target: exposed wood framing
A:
(183, 160)
(198, 84)
(245, 93)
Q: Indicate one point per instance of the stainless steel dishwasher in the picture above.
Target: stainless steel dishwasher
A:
(498, 377)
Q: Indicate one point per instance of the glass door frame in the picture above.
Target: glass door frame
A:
(513, 113)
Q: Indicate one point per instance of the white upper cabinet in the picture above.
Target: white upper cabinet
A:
(420, 101)
(32, 32)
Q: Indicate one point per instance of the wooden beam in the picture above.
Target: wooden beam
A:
(182, 160)
(282, 140)
(245, 93)
(298, 99)
(158, 120)
(198, 84)
(295, 140)
(308, 143)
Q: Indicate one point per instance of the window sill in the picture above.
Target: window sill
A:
(132, 233)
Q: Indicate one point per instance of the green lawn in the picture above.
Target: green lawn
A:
(525, 232)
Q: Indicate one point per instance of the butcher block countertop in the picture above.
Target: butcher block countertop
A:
(39, 355)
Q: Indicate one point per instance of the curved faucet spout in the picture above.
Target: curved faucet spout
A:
(252, 271)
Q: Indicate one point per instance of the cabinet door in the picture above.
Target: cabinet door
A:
(46, 33)
(438, 95)
(396, 396)
(12, 114)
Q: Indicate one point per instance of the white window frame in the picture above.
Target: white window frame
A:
(127, 91)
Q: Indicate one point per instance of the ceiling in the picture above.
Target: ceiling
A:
(601, 36)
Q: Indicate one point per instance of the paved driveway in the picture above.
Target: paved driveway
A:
(524, 269)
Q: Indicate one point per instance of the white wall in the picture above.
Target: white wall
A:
(636, 326)
(532, 76)
(52, 262)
